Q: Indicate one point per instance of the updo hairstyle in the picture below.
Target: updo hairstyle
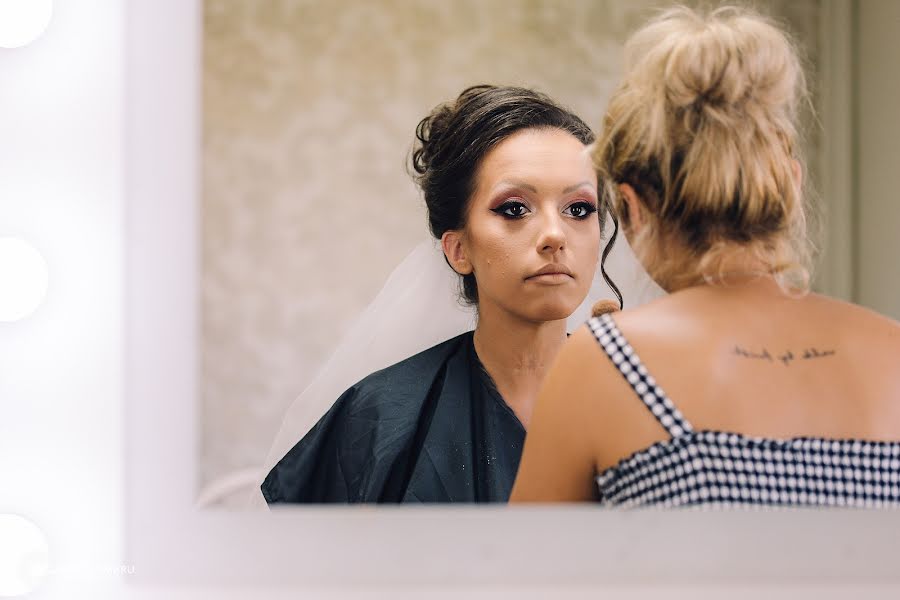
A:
(452, 141)
(703, 127)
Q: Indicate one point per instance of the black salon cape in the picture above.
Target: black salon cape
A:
(431, 428)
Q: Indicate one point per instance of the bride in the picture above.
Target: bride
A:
(513, 199)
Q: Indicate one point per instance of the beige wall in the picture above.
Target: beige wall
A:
(309, 110)
(877, 155)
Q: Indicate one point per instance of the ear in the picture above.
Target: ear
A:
(455, 251)
(637, 218)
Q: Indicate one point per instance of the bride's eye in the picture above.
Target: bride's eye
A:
(511, 209)
(580, 210)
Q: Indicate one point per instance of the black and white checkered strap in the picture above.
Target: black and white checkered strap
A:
(635, 373)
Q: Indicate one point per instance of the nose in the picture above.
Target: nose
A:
(552, 237)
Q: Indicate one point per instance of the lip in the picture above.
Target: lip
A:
(550, 278)
(552, 273)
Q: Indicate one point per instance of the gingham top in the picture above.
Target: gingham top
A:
(699, 468)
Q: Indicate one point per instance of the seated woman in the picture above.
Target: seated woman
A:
(512, 196)
(740, 387)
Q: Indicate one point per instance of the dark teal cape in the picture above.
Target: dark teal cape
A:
(431, 428)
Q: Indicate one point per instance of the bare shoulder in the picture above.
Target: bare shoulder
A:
(868, 325)
(575, 369)
(679, 315)
(580, 347)
(673, 318)
(583, 383)
(602, 401)
(874, 322)
(872, 343)
(559, 461)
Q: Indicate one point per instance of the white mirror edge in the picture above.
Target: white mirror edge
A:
(175, 543)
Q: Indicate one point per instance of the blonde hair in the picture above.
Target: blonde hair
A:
(703, 127)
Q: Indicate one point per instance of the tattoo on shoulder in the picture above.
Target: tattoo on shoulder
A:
(786, 358)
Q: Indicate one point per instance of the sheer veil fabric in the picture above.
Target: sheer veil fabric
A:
(417, 308)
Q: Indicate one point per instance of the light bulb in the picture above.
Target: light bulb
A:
(23, 21)
(24, 555)
(23, 279)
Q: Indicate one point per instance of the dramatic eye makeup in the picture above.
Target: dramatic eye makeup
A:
(580, 210)
(512, 200)
(512, 209)
(516, 209)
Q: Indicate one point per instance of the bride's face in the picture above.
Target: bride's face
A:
(532, 236)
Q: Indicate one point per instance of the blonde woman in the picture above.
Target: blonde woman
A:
(741, 386)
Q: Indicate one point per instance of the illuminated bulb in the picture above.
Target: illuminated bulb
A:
(24, 555)
(22, 21)
(23, 279)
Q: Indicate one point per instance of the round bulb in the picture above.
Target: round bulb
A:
(23, 279)
(24, 556)
(22, 21)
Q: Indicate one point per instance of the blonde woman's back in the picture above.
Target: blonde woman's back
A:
(753, 360)
(730, 390)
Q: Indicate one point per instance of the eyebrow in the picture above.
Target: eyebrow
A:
(531, 188)
(572, 188)
(516, 184)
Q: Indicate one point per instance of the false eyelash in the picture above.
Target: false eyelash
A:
(501, 210)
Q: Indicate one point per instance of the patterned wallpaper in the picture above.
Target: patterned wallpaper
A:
(309, 110)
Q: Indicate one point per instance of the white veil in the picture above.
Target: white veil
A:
(417, 308)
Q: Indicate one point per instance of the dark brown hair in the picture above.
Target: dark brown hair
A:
(454, 139)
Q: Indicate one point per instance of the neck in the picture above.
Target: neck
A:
(517, 354)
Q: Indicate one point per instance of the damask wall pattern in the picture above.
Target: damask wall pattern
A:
(309, 111)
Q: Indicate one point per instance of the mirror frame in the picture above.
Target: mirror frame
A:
(172, 542)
